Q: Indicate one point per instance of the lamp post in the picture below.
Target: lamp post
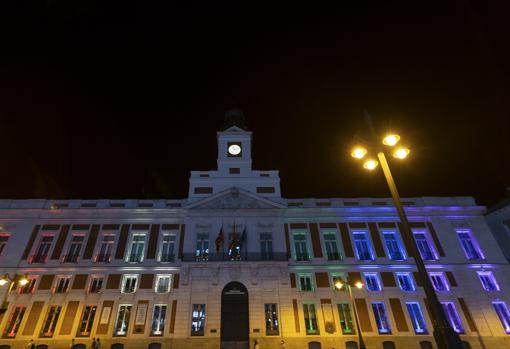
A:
(347, 283)
(445, 336)
(6, 279)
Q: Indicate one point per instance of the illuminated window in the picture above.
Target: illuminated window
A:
(87, 320)
(202, 249)
(504, 314)
(167, 248)
(427, 252)
(62, 284)
(362, 246)
(305, 282)
(393, 246)
(158, 320)
(198, 320)
(405, 282)
(42, 250)
(453, 316)
(74, 249)
(14, 321)
(310, 319)
(266, 246)
(271, 318)
(106, 249)
(122, 323)
(137, 248)
(3, 242)
(439, 282)
(372, 282)
(96, 284)
(346, 318)
(331, 246)
(469, 245)
(488, 280)
(381, 318)
(50, 322)
(300, 247)
(129, 283)
(163, 283)
(417, 318)
(29, 287)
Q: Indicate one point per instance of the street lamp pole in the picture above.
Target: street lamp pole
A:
(360, 337)
(445, 336)
(12, 281)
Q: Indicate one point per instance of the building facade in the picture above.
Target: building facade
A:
(498, 218)
(236, 262)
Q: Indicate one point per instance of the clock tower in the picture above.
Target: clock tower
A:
(234, 165)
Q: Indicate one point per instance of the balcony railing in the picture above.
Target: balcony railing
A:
(135, 258)
(224, 257)
(38, 258)
(103, 258)
(70, 258)
(166, 258)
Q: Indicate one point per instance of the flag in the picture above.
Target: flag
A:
(233, 240)
(219, 240)
(243, 237)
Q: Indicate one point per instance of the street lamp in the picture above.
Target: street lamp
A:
(445, 336)
(339, 284)
(6, 279)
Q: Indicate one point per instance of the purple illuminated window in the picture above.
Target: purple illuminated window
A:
(417, 318)
(427, 251)
(383, 325)
(488, 281)
(372, 282)
(469, 245)
(453, 316)
(504, 314)
(439, 282)
(362, 246)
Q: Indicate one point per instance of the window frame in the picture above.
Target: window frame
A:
(127, 323)
(377, 279)
(271, 319)
(309, 331)
(430, 244)
(474, 243)
(398, 241)
(409, 277)
(89, 323)
(129, 255)
(162, 314)
(53, 321)
(369, 244)
(305, 234)
(415, 321)
(381, 317)
(505, 321)
(200, 319)
(311, 283)
(441, 275)
(124, 281)
(163, 276)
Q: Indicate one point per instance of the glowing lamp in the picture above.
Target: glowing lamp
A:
(359, 152)
(358, 284)
(3, 282)
(370, 164)
(401, 153)
(339, 285)
(23, 281)
(391, 140)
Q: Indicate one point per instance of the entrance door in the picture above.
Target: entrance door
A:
(235, 326)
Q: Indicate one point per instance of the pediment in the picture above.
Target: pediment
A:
(234, 198)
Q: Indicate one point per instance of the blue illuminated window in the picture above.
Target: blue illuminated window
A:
(504, 314)
(416, 315)
(439, 282)
(381, 318)
(393, 246)
(405, 282)
(363, 249)
(427, 252)
(453, 316)
(372, 282)
(469, 245)
(488, 281)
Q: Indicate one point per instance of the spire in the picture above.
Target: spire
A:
(234, 117)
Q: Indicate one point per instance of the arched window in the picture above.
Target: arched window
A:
(314, 345)
(426, 345)
(351, 345)
(388, 345)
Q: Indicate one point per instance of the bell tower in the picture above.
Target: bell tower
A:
(234, 165)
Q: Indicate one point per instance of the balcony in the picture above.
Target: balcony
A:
(38, 258)
(103, 258)
(70, 258)
(167, 258)
(224, 257)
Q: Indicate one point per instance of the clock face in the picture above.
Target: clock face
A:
(234, 149)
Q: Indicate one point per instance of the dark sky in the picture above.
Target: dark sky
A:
(102, 99)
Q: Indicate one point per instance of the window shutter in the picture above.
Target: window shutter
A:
(62, 236)
(398, 314)
(354, 277)
(103, 328)
(296, 315)
(121, 247)
(33, 318)
(91, 242)
(407, 242)
(467, 314)
(346, 240)
(322, 279)
(146, 281)
(172, 317)
(432, 232)
(80, 281)
(287, 240)
(451, 279)
(364, 318)
(316, 240)
(417, 279)
(376, 238)
(181, 240)
(113, 281)
(292, 280)
(387, 279)
(46, 282)
(153, 241)
(67, 324)
(175, 282)
(30, 243)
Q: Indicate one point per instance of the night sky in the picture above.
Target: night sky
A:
(102, 99)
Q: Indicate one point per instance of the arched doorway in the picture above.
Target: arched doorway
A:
(235, 326)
